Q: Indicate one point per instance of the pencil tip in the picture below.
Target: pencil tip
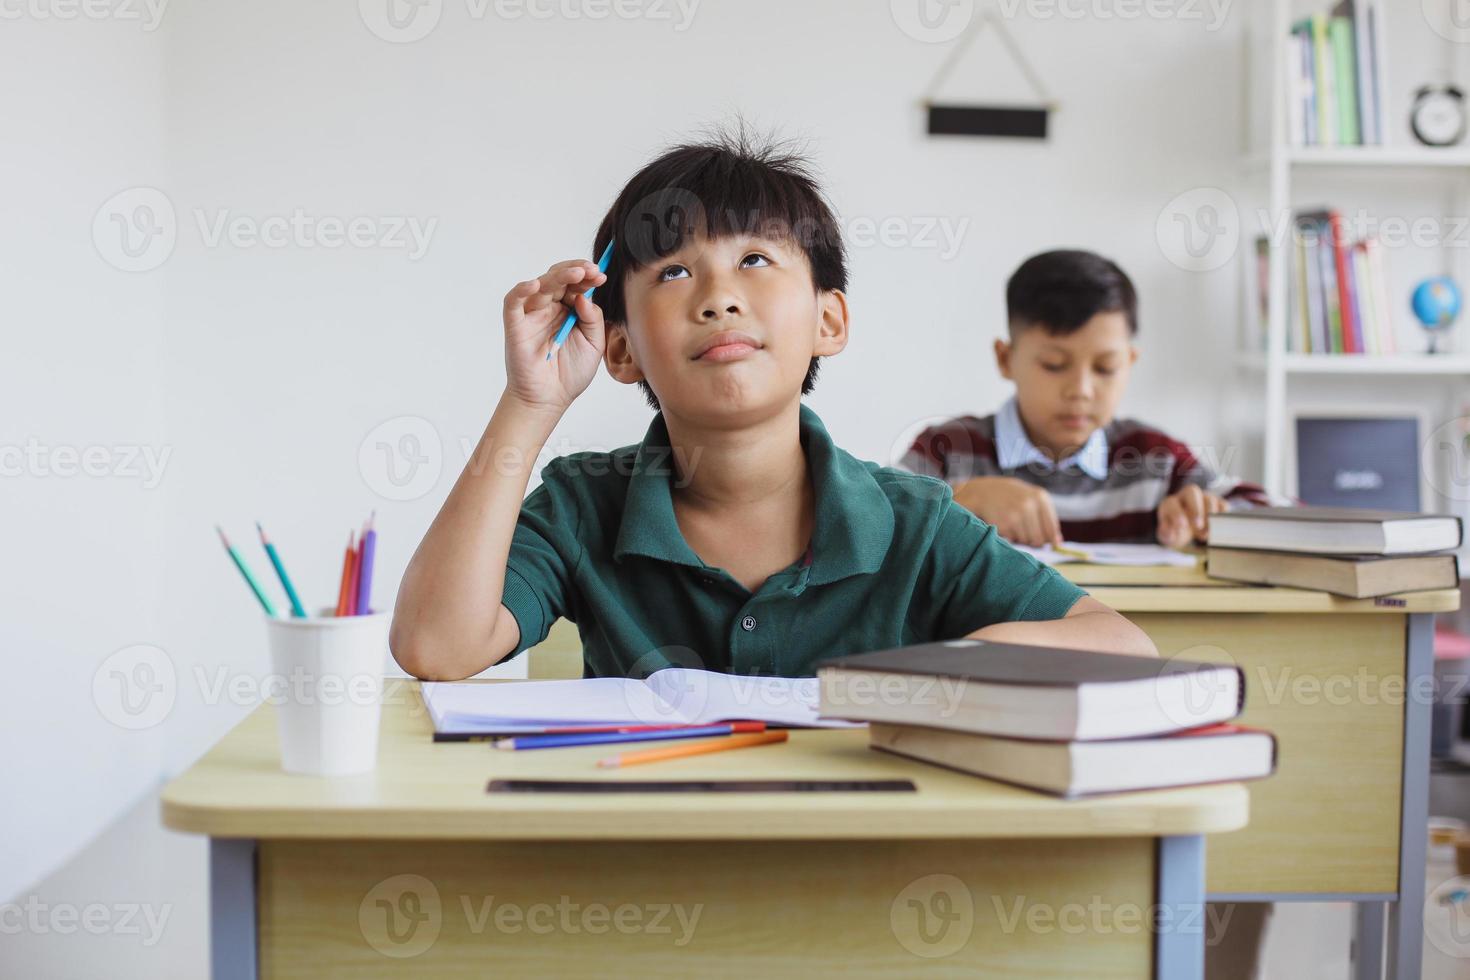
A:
(221, 532)
(262, 532)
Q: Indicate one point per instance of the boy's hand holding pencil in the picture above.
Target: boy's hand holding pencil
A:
(545, 367)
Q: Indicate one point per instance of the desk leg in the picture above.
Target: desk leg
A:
(232, 935)
(1406, 916)
(1368, 918)
(1179, 942)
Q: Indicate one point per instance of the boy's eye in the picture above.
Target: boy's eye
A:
(1105, 371)
(760, 260)
(672, 272)
(1053, 368)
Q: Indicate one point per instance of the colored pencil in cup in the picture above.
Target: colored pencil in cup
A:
(566, 325)
(523, 742)
(346, 574)
(250, 578)
(695, 748)
(354, 574)
(297, 609)
(365, 572)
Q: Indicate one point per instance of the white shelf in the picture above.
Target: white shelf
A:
(1409, 157)
(1361, 364)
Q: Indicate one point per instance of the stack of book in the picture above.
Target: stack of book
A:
(1338, 298)
(1335, 76)
(1349, 552)
(1068, 722)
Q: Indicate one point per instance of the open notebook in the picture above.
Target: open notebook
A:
(673, 696)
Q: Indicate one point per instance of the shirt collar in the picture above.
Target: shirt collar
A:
(854, 518)
(1013, 449)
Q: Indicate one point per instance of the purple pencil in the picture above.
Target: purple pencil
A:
(365, 577)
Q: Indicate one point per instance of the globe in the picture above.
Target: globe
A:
(1436, 303)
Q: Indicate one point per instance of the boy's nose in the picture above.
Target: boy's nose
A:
(712, 313)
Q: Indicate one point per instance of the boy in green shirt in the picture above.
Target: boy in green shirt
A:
(735, 536)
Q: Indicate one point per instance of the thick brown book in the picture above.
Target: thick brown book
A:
(1357, 577)
(1213, 754)
(1334, 531)
(1028, 691)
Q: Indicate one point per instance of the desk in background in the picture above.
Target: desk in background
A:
(306, 874)
(1345, 685)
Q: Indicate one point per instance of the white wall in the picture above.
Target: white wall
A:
(264, 370)
(81, 357)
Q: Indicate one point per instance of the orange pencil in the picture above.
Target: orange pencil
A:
(693, 748)
(346, 576)
(355, 571)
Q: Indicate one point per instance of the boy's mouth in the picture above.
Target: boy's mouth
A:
(728, 345)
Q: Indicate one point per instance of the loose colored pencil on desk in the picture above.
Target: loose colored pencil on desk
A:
(580, 730)
(346, 575)
(697, 748)
(274, 556)
(355, 572)
(523, 742)
(250, 579)
(365, 570)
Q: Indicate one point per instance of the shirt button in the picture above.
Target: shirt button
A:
(748, 623)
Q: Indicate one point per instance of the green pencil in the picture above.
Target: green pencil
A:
(265, 603)
(270, 550)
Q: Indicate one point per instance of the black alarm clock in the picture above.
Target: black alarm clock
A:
(1438, 115)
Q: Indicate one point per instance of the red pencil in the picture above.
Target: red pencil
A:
(356, 570)
(346, 576)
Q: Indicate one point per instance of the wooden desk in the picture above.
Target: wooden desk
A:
(1345, 684)
(407, 871)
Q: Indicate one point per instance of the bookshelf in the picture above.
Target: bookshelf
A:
(1289, 168)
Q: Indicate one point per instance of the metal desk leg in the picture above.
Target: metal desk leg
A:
(232, 936)
(1179, 939)
(1368, 919)
(1406, 916)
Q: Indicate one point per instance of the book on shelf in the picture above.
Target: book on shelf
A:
(1335, 76)
(1337, 289)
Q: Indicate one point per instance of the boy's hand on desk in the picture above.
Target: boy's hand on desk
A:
(1022, 512)
(1185, 516)
(534, 311)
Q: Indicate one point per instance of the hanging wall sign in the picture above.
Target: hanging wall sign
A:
(1016, 122)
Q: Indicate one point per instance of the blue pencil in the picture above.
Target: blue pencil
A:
(571, 320)
(604, 738)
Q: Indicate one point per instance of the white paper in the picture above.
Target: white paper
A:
(1113, 554)
(674, 696)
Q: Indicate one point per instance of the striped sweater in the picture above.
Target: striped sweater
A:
(1144, 467)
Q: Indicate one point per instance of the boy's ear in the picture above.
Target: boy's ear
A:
(619, 355)
(1132, 354)
(832, 323)
(1003, 358)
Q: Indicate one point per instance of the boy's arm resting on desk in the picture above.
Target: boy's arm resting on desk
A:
(975, 577)
(1088, 625)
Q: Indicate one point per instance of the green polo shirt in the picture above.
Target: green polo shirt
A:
(893, 561)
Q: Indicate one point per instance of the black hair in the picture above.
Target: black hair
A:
(1060, 291)
(729, 183)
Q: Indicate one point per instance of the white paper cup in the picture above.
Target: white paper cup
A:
(328, 691)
